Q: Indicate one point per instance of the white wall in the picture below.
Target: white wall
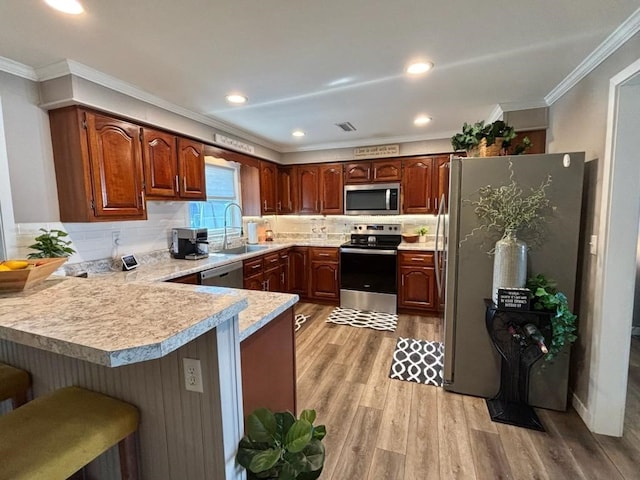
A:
(578, 121)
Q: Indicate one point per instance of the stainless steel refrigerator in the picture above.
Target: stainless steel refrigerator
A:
(471, 363)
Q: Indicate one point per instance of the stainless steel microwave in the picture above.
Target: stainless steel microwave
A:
(372, 199)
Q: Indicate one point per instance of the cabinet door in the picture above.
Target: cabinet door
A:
(191, 279)
(308, 194)
(250, 187)
(285, 283)
(268, 187)
(440, 181)
(273, 280)
(298, 272)
(387, 171)
(359, 172)
(417, 288)
(191, 169)
(416, 185)
(254, 282)
(160, 164)
(331, 189)
(116, 167)
(286, 191)
(324, 280)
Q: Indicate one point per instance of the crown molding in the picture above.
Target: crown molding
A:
(18, 69)
(71, 67)
(496, 114)
(515, 106)
(618, 37)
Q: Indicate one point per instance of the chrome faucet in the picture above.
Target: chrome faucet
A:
(225, 241)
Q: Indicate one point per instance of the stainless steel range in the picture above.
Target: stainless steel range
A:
(368, 266)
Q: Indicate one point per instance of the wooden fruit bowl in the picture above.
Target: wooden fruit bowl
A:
(17, 280)
(410, 237)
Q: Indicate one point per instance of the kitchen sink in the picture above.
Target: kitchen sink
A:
(244, 249)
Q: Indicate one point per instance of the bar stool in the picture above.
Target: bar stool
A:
(14, 385)
(55, 435)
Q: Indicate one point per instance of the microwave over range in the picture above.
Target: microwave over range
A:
(372, 199)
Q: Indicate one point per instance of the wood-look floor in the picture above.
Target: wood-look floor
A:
(381, 429)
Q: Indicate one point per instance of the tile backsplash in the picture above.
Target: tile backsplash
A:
(95, 241)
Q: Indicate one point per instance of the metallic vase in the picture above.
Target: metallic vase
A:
(509, 264)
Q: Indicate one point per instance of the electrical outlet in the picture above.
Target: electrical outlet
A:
(115, 238)
(192, 375)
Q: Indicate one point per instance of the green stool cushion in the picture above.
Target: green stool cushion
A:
(55, 435)
(13, 381)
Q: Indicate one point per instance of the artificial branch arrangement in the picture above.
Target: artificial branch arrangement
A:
(51, 244)
(563, 323)
(510, 210)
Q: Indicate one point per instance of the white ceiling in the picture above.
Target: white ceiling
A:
(288, 56)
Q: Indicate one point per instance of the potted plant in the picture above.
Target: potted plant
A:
(480, 140)
(51, 244)
(279, 446)
(422, 232)
(563, 322)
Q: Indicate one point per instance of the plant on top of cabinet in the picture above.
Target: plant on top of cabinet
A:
(477, 139)
(280, 447)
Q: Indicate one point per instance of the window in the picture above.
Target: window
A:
(223, 188)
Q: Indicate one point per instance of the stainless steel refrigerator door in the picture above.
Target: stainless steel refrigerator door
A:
(471, 364)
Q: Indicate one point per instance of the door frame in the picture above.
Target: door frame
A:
(7, 223)
(615, 266)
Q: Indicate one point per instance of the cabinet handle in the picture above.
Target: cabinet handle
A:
(435, 204)
(256, 266)
(323, 254)
(282, 278)
(265, 205)
(428, 203)
(177, 184)
(317, 209)
(402, 280)
(335, 275)
(144, 207)
(368, 172)
(279, 206)
(290, 205)
(417, 259)
(184, 184)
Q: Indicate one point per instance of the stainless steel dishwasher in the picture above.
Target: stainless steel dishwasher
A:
(225, 276)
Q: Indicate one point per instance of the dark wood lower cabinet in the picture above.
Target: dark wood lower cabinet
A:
(417, 287)
(269, 366)
(192, 279)
(324, 280)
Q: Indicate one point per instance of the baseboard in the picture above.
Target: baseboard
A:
(582, 410)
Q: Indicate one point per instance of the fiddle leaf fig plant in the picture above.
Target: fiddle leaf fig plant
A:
(51, 244)
(563, 323)
(279, 446)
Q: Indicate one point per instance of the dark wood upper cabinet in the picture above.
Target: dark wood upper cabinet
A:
(308, 189)
(268, 187)
(331, 189)
(191, 169)
(440, 185)
(98, 163)
(386, 170)
(417, 177)
(160, 157)
(286, 190)
(359, 172)
(379, 171)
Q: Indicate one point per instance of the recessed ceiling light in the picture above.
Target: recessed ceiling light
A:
(72, 7)
(236, 98)
(419, 67)
(421, 120)
(298, 133)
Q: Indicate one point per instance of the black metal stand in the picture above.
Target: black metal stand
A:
(510, 405)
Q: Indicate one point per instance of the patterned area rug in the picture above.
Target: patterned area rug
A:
(300, 318)
(361, 319)
(418, 361)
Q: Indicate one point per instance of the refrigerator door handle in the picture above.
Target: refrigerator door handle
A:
(437, 249)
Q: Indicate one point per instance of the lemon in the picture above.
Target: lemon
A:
(4, 269)
(15, 264)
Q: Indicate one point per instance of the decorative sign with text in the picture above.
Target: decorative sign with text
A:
(233, 144)
(514, 298)
(377, 151)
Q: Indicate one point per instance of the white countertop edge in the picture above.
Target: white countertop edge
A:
(254, 327)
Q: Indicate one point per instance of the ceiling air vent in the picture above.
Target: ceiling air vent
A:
(346, 126)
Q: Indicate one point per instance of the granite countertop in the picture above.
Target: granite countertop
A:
(111, 323)
(426, 246)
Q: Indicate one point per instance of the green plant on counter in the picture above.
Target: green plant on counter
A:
(423, 230)
(50, 244)
(279, 446)
(563, 323)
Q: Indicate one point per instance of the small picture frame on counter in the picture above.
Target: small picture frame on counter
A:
(129, 262)
(514, 299)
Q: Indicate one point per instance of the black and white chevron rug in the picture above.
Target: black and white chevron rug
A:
(362, 319)
(300, 318)
(419, 361)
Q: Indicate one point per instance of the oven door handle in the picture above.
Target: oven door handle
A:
(368, 251)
